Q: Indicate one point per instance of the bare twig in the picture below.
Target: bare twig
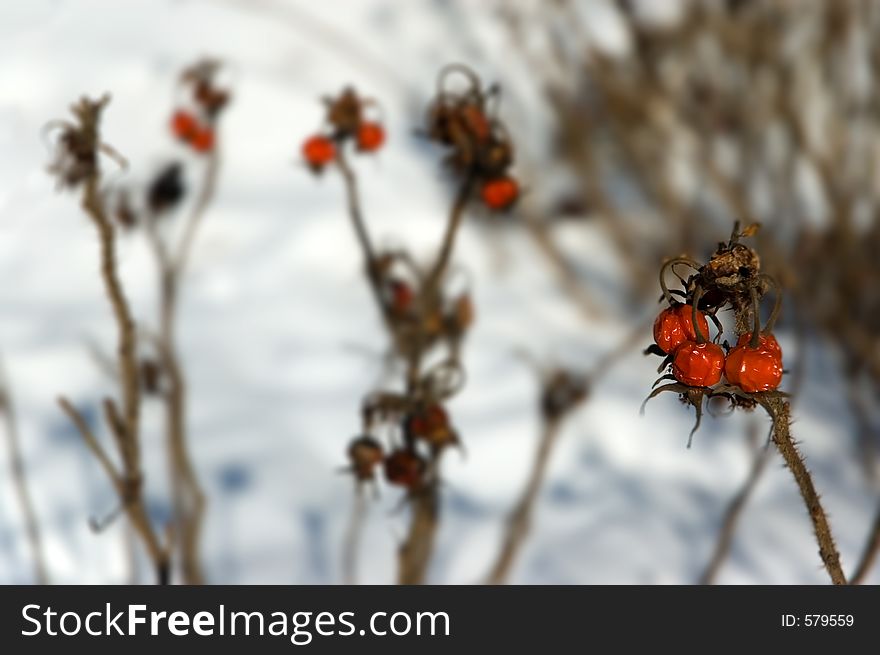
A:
(733, 513)
(17, 469)
(778, 409)
(519, 522)
(869, 554)
(82, 144)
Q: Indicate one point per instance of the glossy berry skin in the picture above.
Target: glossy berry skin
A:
(370, 137)
(698, 364)
(184, 125)
(500, 193)
(675, 325)
(318, 151)
(765, 342)
(755, 369)
(203, 140)
(404, 468)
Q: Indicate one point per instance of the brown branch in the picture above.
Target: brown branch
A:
(869, 554)
(455, 217)
(733, 514)
(124, 425)
(187, 494)
(519, 522)
(415, 552)
(91, 441)
(127, 339)
(19, 479)
(779, 411)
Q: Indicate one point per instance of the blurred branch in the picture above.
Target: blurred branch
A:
(734, 510)
(19, 479)
(778, 410)
(869, 554)
(520, 519)
(76, 165)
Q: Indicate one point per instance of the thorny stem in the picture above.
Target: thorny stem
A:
(732, 515)
(869, 554)
(31, 525)
(779, 411)
(519, 522)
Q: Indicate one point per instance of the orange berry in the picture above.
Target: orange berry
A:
(370, 137)
(318, 151)
(698, 364)
(203, 140)
(184, 125)
(765, 342)
(500, 193)
(755, 369)
(675, 325)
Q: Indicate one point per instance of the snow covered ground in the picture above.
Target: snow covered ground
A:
(276, 322)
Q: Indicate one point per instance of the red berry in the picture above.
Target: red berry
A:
(698, 364)
(318, 151)
(755, 369)
(370, 137)
(500, 193)
(404, 468)
(203, 140)
(675, 325)
(401, 296)
(184, 125)
(765, 342)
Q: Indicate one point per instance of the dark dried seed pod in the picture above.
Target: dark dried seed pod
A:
(166, 190)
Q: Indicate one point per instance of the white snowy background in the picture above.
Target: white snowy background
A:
(281, 338)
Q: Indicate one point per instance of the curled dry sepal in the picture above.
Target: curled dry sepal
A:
(76, 150)
(700, 367)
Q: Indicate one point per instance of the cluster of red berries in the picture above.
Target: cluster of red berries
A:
(752, 368)
(478, 142)
(346, 121)
(188, 129)
(196, 126)
(403, 465)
